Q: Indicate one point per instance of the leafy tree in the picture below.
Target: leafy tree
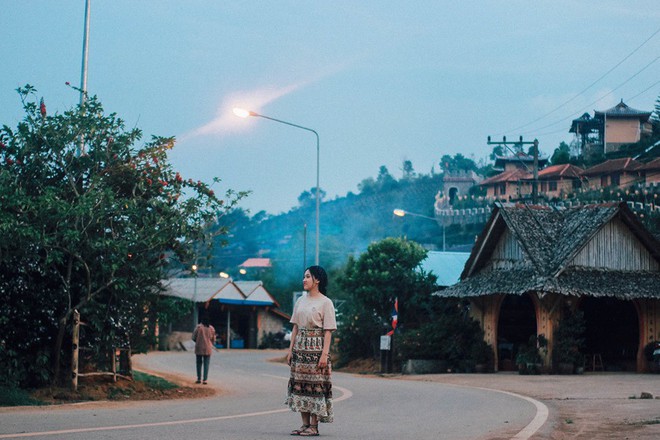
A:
(367, 186)
(308, 198)
(445, 331)
(385, 181)
(457, 163)
(389, 269)
(408, 170)
(88, 222)
(562, 154)
(498, 150)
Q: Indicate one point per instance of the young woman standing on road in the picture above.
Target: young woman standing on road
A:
(310, 386)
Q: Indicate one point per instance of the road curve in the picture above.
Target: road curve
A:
(249, 405)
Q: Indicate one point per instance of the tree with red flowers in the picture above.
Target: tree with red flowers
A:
(91, 222)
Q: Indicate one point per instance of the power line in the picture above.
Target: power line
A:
(597, 100)
(588, 87)
(643, 91)
(627, 100)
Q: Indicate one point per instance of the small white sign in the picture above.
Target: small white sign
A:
(385, 341)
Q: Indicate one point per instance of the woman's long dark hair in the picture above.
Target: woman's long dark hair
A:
(318, 273)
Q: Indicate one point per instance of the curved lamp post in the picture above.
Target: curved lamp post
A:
(242, 113)
(402, 213)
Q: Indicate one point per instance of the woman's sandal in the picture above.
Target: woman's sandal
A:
(299, 430)
(310, 431)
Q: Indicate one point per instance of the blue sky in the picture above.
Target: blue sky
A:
(380, 81)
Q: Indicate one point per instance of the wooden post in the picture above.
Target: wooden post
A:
(129, 362)
(114, 364)
(228, 328)
(75, 339)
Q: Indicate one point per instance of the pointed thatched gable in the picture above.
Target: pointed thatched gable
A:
(595, 250)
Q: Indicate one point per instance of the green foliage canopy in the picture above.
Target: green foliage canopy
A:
(90, 222)
(389, 269)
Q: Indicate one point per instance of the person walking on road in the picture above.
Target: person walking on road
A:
(204, 337)
(310, 386)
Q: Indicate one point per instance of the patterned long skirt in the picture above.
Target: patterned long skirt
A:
(310, 387)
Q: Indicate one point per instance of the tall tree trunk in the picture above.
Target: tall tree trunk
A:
(62, 324)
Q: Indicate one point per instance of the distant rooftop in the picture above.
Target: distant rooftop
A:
(256, 262)
(621, 110)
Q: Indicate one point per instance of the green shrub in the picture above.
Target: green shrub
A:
(11, 396)
(154, 382)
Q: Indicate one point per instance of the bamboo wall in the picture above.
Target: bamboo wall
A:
(615, 247)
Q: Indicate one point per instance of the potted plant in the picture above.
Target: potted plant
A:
(529, 359)
(568, 342)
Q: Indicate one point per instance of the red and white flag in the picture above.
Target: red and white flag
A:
(395, 316)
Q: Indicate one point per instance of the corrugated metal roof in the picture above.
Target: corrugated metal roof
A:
(224, 290)
(565, 170)
(447, 266)
(204, 290)
(613, 165)
(507, 176)
(261, 295)
(247, 287)
(652, 166)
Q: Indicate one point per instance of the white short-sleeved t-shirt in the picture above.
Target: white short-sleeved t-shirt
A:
(318, 312)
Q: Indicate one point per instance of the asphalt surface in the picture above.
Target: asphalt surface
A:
(249, 405)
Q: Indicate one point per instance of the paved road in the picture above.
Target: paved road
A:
(250, 406)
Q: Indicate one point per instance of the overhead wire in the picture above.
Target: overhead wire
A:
(628, 99)
(586, 88)
(596, 101)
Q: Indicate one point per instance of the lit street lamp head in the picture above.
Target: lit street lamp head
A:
(399, 212)
(242, 113)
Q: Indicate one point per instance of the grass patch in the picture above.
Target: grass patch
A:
(16, 397)
(153, 382)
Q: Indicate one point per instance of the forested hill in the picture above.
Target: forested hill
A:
(348, 225)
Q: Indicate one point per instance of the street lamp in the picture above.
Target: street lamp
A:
(193, 269)
(402, 213)
(242, 113)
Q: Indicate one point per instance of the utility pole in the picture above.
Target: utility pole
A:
(535, 171)
(535, 183)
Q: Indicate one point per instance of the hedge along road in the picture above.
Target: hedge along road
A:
(249, 405)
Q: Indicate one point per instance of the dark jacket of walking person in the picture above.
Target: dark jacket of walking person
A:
(204, 337)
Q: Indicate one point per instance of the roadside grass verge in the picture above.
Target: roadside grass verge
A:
(153, 382)
(10, 396)
(143, 387)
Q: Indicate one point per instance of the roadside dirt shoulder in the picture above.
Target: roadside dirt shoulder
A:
(590, 406)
